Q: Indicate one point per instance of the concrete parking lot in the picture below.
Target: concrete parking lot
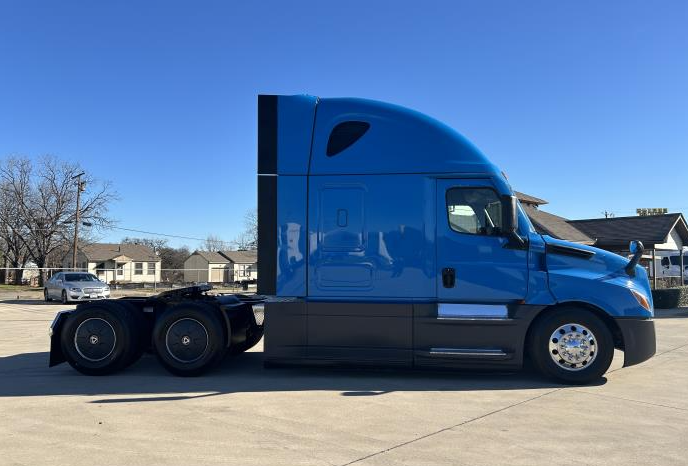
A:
(246, 415)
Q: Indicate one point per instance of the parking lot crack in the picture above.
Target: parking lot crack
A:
(445, 429)
(658, 405)
(671, 350)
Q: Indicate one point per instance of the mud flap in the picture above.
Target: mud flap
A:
(56, 356)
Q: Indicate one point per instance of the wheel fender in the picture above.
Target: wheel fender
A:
(55, 332)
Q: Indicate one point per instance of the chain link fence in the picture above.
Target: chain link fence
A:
(136, 278)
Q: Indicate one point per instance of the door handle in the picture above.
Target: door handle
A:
(448, 277)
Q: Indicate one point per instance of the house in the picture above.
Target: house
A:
(658, 233)
(221, 267)
(133, 263)
(550, 224)
(206, 267)
(244, 265)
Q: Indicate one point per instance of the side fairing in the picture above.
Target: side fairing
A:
(285, 126)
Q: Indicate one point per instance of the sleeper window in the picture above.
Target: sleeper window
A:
(476, 211)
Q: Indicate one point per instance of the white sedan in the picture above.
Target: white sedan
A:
(75, 286)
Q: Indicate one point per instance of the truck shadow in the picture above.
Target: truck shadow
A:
(146, 381)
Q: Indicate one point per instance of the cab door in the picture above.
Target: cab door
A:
(480, 273)
(476, 261)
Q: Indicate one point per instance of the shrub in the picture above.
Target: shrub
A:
(668, 298)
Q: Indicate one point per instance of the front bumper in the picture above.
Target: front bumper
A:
(87, 296)
(640, 342)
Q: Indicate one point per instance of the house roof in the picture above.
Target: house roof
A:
(98, 252)
(618, 231)
(212, 257)
(528, 199)
(241, 257)
(553, 225)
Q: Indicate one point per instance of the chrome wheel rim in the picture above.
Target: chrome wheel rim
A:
(572, 347)
(95, 339)
(186, 340)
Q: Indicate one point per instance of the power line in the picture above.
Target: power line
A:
(133, 230)
(150, 232)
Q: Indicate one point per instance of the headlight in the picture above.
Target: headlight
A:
(78, 290)
(642, 300)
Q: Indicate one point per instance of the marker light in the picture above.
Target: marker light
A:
(642, 300)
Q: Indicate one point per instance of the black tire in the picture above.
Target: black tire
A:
(190, 339)
(46, 296)
(140, 330)
(64, 297)
(590, 340)
(100, 338)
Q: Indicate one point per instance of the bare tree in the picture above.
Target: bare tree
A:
(248, 238)
(156, 244)
(45, 200)
(213, 243)
(11, 231)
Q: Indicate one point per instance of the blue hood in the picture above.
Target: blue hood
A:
(578, 272)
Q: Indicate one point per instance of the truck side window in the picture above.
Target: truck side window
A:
(476, 211)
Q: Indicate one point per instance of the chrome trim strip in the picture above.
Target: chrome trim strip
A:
(468, 352)
(456, 311)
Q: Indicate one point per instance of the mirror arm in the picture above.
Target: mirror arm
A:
(639, 249)
(510, 206)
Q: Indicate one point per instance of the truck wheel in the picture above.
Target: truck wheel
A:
(99, 338)
(189, 339)
(571, 345)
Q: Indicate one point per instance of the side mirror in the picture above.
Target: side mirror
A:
(637, 249)
(510, 220)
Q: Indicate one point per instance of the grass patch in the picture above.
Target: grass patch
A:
(18, 288)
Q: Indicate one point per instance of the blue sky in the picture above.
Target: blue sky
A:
(582, 103)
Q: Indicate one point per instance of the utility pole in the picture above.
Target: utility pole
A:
(80, 186)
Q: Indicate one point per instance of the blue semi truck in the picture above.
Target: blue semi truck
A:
(385, 238)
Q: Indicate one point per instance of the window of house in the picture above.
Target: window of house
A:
(120, 269)
(476, 211)
(151, 268)
(244, 270)
(138, 268)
